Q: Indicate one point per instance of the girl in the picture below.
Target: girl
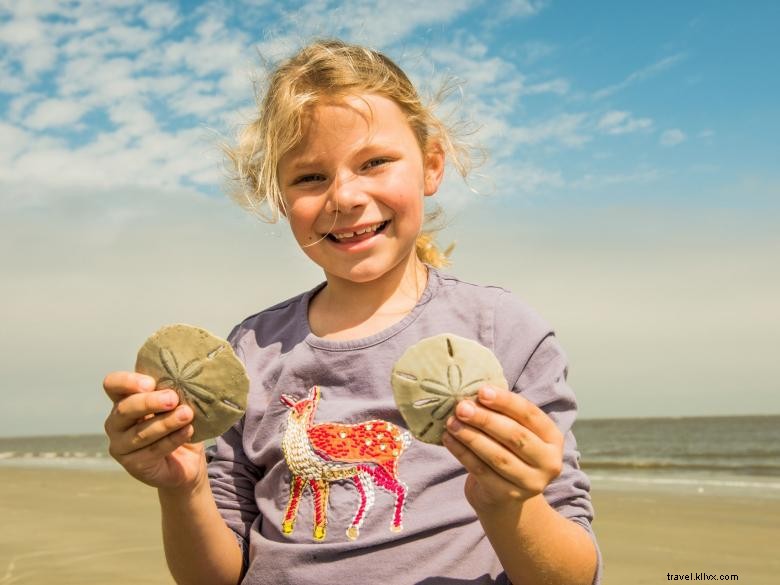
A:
(320, 482)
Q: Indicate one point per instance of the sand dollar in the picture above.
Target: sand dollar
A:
(434, 374)
(204, 371)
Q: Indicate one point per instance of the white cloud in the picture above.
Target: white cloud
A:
(621, 122)
(672, 137)
(54, 113)
(109, 41)
(13, 83)
(534, 51)
(360, 20)
(21, 31)
(592, 181)
(132, 118)
(557, 86)
(13, 140)
(563, 129)
(159, 15)
(640, 75)
(377, 24)
(530, 178)
(518, 8)
(160, 77)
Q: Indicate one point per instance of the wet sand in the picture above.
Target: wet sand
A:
(78, 528)
(645, 535)
(86, 527)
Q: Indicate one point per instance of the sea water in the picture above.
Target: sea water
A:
(738, 454)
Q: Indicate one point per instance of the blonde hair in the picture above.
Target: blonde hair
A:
(322, 71)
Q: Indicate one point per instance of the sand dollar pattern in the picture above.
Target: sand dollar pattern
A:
(203, 370)
(434, 374)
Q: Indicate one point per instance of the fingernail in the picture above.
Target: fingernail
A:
(454, 424)
(182, 413)
(466, 409)
(487, 393)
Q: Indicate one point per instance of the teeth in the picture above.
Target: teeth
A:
(371, 228)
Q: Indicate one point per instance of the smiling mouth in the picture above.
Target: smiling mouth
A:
(362, 234)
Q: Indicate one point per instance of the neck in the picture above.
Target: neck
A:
(346, 309)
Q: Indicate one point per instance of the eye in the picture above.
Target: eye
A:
(313, 178)
(376, 162)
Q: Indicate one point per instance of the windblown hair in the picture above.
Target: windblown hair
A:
(323, 71)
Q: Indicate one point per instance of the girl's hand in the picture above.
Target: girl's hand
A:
(148, 433)
(509, 446)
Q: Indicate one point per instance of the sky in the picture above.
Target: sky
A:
(629, 191)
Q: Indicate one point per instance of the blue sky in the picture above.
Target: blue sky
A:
(587, 101)
(632, 175)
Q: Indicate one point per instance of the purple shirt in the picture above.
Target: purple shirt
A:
(306, 509)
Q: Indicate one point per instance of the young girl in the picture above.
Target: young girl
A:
(346, 151)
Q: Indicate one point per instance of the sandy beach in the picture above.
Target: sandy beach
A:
(89, 527)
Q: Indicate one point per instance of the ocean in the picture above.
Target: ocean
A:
(739, 454)
(698, 454)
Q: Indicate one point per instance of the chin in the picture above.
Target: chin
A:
(370, 271)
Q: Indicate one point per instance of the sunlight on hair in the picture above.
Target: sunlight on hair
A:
(324, 70)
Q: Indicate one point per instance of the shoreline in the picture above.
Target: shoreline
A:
(84, 527)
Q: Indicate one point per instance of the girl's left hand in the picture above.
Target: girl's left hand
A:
(509, 446)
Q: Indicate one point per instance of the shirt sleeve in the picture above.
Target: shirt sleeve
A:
(542, 379)
(233, 477)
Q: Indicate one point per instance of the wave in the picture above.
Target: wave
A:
(742, 468)
(689, 481)
(5, 455)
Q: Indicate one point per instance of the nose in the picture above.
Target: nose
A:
(345, 194)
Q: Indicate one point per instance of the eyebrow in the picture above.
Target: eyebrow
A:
(304, 162)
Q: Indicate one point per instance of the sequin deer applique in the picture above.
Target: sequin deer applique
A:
(318, 455)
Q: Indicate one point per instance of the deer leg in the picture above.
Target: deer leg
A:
(400, 498)
(296, 489)
(365, 488)
(395, 487)
(321, 488)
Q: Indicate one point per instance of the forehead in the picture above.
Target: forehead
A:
(360, 118)
(363, 109)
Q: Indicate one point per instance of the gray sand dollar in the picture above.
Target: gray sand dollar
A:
(434, 374)
(204, 371)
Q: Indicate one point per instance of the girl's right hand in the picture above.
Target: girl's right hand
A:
(148, 433)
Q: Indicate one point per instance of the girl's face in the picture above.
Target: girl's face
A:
(355, 185)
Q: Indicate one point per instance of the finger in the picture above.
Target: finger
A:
(523, 411)
(491, 453)
(151, 431)
(129, 411)
(507, 431)
(151, 455)
(486, 476)
(119, 385)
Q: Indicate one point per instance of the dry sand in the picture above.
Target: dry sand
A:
(85, 528)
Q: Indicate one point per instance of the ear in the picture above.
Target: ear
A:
(434, 168)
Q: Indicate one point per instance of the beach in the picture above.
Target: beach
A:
(84, 527)
(78, 527)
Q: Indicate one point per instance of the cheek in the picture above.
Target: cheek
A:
(409, 214)
(300, 224)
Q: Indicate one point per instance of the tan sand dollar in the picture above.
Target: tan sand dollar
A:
(204, 371)
(434, 374)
